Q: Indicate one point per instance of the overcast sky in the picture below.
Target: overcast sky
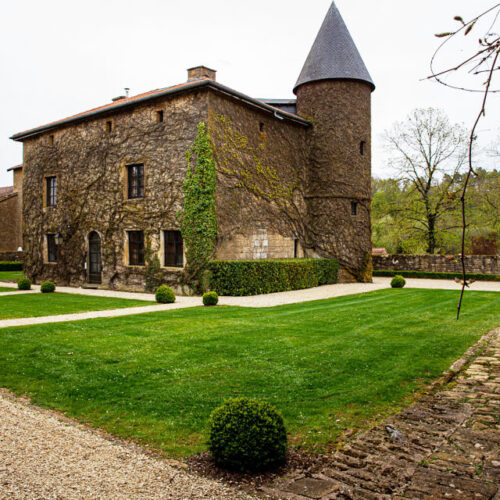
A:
(60, 57)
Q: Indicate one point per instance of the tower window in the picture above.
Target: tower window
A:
(159, 116)
(261, 127)
(295, 248)
(51, 188)
(362, 145)
(135, 181)
(136, 248)
(51, 248)
(109, 126)
(51, 140)
(354, 207)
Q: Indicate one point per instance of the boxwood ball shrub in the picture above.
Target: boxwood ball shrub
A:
(398, 281)
(47, 287)
(24, 284)
(210, 299)
(247, 435)
(164, 294)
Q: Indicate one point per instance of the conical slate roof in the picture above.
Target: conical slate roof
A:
(333, 54)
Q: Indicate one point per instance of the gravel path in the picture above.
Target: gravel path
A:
(44, 457)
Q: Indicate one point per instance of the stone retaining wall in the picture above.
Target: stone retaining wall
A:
(484, 264)
(11, 256)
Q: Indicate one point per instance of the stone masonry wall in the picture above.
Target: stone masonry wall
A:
(484, 264)
(12, 256)
(10, 223)
(339, 171)
(90, 165)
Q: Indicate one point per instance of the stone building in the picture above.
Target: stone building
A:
(103, 188)
(11, 205)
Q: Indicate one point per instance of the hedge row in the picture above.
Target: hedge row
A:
(252, 277)
(10, 266)
(437, 276)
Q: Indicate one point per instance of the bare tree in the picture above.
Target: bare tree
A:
(427, 153)
(479, 61)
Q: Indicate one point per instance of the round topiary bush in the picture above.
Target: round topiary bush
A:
(164, 294)
(47, 287)
(398, 281)
(24, 284)
(210, 299)
(247, 434)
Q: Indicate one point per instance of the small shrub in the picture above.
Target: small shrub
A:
(24, 284)
(47, 287)
(165, 295)
(398, 281)
(246, 434)
(210, 299)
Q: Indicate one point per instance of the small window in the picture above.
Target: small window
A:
(362, 145)
(51, 191)
(51, 140)
(135, 181)
(173, 249)
(136, 248)
(354, 208)
(159, 116)
(295, 248)
(109, 126)
(261, 127)
(51, 248)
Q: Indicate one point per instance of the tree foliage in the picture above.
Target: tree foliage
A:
(198, 218)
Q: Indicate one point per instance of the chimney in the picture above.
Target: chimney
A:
(201, 73)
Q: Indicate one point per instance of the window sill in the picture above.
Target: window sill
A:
(172, 268)
(136, 266)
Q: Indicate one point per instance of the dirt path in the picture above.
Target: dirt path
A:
(446, 446)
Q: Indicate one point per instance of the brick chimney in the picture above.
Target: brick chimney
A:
(201, 72)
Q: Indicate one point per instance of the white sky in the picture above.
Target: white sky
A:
(60, 57)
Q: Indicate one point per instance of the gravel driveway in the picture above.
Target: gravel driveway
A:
(44, 457)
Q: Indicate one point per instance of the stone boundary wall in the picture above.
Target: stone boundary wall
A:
(484, 264)
(11, 256)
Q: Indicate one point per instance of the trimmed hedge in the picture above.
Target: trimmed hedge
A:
(210, 299)
(24, 284)
(253, 277)
(398, 281)
(47, 287)
(247, 435)
(164, 295)
(10, 265)
(436, 276)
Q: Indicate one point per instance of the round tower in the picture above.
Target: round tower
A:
(333, 91)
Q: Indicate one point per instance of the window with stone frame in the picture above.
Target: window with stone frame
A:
(51, 189)
(136, 248)
(51, 248)
(354, 207)
(135, 180)
(174, 249)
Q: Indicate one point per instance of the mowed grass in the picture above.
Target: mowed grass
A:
(326, 365)
(6, 289)
(26, 305)
(10, 275)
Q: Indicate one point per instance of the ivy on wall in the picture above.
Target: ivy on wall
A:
(198, 220)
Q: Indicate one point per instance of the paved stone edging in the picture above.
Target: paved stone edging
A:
(447, 445)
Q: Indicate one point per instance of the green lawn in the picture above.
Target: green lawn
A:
(10, 275)
(327, 365)
(6, 289)
(45, 304)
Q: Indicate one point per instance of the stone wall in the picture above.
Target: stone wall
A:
(10, 223)
(12, 256)
(484, 264)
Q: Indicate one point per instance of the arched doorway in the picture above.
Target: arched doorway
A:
(95, 267)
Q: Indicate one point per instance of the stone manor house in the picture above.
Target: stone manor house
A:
(102, 189)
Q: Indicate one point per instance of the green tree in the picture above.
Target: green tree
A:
(428, 152)
(198, 219)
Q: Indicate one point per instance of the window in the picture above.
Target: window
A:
(173, 249)
(51, 191)
(354, 208)
(51, 248)
(159, 116)
(261, 127)
(295, 248)
(135, 181)
(136, 248)
(109, 126)
(362, 145)
(51, 140)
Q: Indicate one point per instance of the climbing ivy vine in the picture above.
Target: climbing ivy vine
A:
(198, 220)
